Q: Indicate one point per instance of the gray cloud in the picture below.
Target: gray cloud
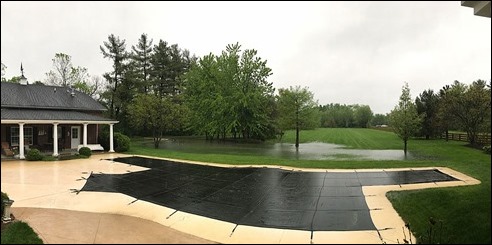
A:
(345, 52)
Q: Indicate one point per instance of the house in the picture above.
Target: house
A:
(50, 118)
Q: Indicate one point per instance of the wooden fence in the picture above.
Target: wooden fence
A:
(483, 139)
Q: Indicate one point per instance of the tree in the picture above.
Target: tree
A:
(14, 79)
(114, 49)
(142, 55)
(404, 118)
(202, 95)
(427, 106)
(93, 86)
(230, 94)
(252, 92)
(160, 115)
(297, 109)
(4, 67)
(169, 63)
(363, 115)
(469, 106)
(62, 64)
(444, 119)
(64, 73)
(345, 116)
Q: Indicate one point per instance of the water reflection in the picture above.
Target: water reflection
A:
(306, 151)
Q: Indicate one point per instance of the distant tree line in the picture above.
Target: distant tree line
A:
(160, 89)
(346, 116)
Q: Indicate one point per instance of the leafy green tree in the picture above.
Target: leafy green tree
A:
(252, 92)
(362, 115)
(427, 106)
(345, 116)
(297, 109)
(202, 96)
(469, 105)
(229, 94)
(159, 115)
(14, 79)
(114, 49)
(404, 118)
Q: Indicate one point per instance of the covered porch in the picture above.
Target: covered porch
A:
(53, 136)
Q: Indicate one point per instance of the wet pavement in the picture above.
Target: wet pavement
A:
(260, 197)
(61, 226)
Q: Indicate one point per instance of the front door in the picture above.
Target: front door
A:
(75, 136)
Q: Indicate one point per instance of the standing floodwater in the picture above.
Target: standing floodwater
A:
(306, 151)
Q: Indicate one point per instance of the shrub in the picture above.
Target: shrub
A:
(34, 155)
(121, 141)
(486, 149)
(85, 151)
(103, 139)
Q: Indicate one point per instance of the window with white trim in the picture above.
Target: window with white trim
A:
(14, 136)
(75, 133)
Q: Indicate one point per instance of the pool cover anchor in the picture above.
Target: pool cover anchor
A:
(379, 234)
(171, 214)
(234, 229)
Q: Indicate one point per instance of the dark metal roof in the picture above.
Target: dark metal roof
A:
(38, 114)
(37, 96)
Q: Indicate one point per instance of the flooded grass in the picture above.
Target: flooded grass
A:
(306, 151)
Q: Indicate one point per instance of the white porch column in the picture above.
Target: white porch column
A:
(85, 135)
(55, 139)
(21, 141)
(111, 146)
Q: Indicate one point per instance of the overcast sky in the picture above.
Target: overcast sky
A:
(345, 52)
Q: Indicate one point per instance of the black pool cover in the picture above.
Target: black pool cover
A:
(264, 197)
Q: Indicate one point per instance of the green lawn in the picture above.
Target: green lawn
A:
(464, 211)
(358, 138)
